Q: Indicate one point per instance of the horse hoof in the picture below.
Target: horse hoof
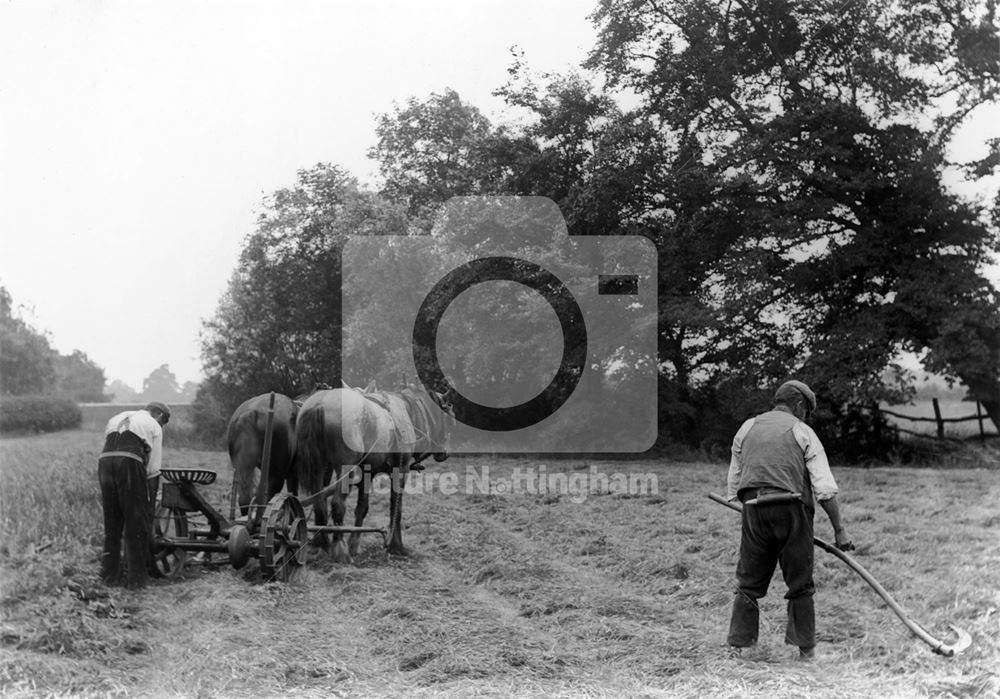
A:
(341, 554)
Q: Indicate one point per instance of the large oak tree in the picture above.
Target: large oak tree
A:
(816, 134)
(788, 160)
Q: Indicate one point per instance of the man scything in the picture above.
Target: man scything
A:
(778, 466)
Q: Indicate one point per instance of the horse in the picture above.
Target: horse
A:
(384, 431)
(245, 437)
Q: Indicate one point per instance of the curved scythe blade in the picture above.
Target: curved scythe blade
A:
(963, 642)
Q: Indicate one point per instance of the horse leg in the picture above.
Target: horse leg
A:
(320, 514)
(282, 467)
(338, 509)
(360, 510)
(397, 479)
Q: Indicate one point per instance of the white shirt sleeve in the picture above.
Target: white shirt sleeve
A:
(735, 470)
(155, 452)
(823, 485)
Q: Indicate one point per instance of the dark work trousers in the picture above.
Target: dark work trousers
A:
(779, 534)
(125, 497)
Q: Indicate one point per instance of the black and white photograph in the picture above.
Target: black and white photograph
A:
(569, 348)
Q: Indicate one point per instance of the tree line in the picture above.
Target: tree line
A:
(787, 159)
(30, 366)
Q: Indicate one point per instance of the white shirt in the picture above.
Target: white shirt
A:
(145, 426)
(823, 485)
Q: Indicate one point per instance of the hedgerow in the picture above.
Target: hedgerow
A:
(38, 414)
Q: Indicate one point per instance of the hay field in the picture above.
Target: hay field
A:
(602, 594)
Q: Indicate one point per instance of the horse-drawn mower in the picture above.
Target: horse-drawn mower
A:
(276, 532)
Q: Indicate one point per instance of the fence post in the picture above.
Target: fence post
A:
(979, 416)
(937, 418)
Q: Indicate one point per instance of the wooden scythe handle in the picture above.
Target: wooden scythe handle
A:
(939, 647)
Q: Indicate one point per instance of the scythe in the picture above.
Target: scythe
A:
(940, 647)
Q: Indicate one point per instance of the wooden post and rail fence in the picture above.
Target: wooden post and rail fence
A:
(939, 421)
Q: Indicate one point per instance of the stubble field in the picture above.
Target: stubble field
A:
(524, 593)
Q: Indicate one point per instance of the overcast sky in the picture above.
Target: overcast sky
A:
(137, 139)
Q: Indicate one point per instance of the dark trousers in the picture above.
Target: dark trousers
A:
(125, 496)
(779, 534)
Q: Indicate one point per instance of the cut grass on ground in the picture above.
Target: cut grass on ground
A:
(511, 591)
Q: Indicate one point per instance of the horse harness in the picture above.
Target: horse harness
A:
(404, 429)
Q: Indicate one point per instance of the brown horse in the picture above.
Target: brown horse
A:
(342, 431)
(245, 436)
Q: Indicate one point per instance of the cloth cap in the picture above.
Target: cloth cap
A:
(790, 391)
(157, 405)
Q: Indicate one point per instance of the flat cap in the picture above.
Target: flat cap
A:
(789, 392)
(157, 405)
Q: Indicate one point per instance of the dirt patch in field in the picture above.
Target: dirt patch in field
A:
(618, 588)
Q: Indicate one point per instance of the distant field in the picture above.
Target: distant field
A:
(565, 594)
(949, 409)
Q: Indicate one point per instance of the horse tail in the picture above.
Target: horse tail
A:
(310, 447)
(282, 443)
(245, 452)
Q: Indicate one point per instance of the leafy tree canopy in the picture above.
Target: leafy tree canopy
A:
(26, 359)
(29, 365)
(160, 385)
(79, 378)
(808, 143)
(278, 325)
(121, 392)
(786, 158)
